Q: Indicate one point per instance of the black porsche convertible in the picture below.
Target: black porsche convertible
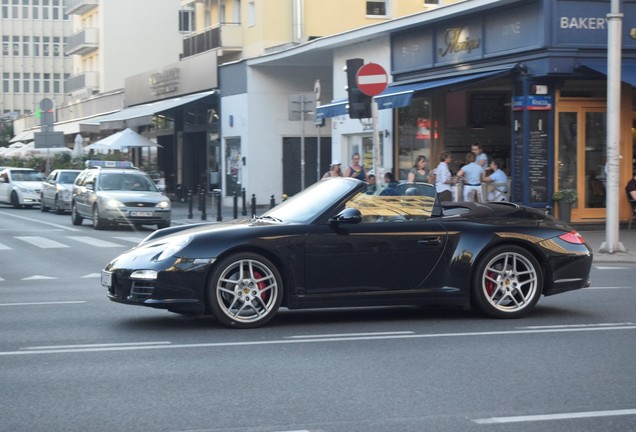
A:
(333, 245)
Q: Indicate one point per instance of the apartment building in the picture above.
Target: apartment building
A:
(33, 65)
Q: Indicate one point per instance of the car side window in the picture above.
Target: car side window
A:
(384, 209)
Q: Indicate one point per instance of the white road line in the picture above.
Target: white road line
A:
(92, 275)
(43, 303)
(98, 345)
(39, 221)
(42, 242)
(316, 340)
(129, 239)
(349, 335)
(4, 247)
(94, 241)
(38, 277)
(578, 325)
(612, 268)
(608, 288)
(561, 416)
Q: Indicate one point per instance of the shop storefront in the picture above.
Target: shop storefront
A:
(527, 81)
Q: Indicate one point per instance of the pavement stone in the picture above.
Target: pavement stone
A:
(594, 236)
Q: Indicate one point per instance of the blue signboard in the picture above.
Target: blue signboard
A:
(513, 29)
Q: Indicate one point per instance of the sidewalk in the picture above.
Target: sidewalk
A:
(594, 237)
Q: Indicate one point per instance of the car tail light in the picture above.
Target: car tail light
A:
(572, 237)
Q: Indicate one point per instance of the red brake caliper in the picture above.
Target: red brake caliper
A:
(260, 285)
(490, 285)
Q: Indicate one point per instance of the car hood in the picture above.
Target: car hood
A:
(28, 184)
(133, 196)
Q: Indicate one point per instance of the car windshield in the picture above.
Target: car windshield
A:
(67, 177)
(126, 182)
(312, 202)
(23, 175)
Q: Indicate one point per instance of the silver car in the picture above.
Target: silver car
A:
(57, 190)
(115, 195)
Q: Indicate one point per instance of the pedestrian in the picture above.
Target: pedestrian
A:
(481, 158)
(418, 174)
(372, 187)
(471, 177)
(356, 170)
(443, 178)
(390, 188)
(496, 175)
(335, 169)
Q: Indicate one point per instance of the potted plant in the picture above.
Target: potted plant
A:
(565, 198)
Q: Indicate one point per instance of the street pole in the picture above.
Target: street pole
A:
(614, 44)
(377, 163)
(302, 142)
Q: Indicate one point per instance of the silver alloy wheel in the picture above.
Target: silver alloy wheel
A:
(247, 291)
(510, 282)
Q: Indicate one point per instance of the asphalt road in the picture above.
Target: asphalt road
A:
(70, 360)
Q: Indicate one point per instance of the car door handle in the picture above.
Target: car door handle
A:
(430, 241)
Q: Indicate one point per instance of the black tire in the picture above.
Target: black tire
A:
(507, 283)
(98, 222)
(75, 217)
(56, 206)
(43, 208)
(15, 201)
(245, 291)
(163, 225)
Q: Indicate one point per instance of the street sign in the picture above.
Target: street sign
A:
(372, 79)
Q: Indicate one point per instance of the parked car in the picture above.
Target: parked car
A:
(57, 190)
(20, 187)
(332, 245)
(111, 193)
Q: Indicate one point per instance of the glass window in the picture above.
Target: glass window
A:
(36, 9)
(5, 46)
(46, 46)
(25, 9)
(15, 9)
(47, 83)
(57, 83)
(56, 9)
(6, 79)
(56, 46)
(26, 82)
(16, 46)
(36, 46)
(26, 41)
(376, 8)
(36, 82)
(5, 9)
(45, 9)
(415, 135)
(251, 14)
(16, 82)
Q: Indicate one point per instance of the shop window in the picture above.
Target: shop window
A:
(417, 132)
(233, 166)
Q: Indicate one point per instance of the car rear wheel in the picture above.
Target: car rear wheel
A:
(75, 216)
(508, 282)
(245, 291)
(98, 222)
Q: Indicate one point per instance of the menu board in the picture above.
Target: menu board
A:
(517, 163)
(538, 158)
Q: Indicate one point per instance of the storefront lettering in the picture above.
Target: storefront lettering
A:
(454, 44)
(583, 23)
(164, 82)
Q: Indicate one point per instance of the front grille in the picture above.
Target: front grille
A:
(139, 204)
(140, 290)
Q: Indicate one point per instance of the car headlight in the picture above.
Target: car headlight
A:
(144, 274)
(26, 190)
(172, 246)
(114, 203)
(163, 204)
(66, 195)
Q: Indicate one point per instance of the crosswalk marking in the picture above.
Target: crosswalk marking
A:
(131, 239)
(94, 242)
(4, 247)
(42, 242)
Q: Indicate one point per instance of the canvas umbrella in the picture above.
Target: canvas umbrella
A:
(121, 141)
(77, 148)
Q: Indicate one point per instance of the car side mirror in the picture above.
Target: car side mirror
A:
(349, 216)
(90, 186)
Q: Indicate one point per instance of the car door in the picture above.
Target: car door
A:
(387, 258)
(82, 193)
(5, 187)
(48, 188)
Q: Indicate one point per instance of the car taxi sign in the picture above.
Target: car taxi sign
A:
(372, 79)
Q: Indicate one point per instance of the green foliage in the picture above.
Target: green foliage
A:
(568, 195)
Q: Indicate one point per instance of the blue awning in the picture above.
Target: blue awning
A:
(398, 96)
(628, 69)
(333, 109)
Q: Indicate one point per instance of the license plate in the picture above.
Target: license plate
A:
(107, 278)
(141, 213)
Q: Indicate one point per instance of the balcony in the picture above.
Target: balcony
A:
(88, 81)
(83, 42)
(225, 36)
(79, 7)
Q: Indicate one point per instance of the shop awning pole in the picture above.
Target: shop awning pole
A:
(614, 19)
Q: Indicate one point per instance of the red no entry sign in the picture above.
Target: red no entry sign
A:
(372, 79)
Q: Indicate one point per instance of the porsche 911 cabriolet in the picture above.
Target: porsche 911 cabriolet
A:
(333, 245)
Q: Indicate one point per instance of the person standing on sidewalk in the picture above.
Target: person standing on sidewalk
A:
(471, 176)
(356, 170)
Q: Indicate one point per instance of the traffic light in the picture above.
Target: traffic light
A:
(359, 103)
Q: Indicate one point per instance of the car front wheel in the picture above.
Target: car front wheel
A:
(98, 222)
(75, 216)
(15, 200)
(245, 291)
(508, 282)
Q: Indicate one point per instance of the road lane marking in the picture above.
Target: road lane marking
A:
(4, 247)
(560, 416)
(349, 335)
(317, 340)
(98, 345)
(39, 221)
(42, 242)
(37, 277)
(92, 275)
(43, 303)
(578, 325)
(608, 288)
(92, 241)
(612, 268)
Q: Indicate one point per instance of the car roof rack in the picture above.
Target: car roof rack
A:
(109, 164)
